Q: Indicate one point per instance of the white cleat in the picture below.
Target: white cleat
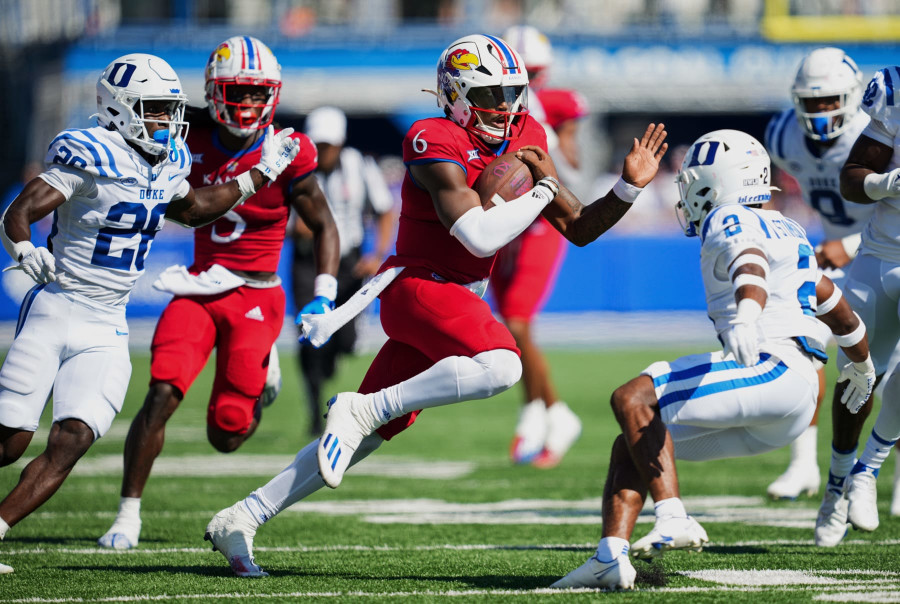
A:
(123, 534)
(614, 575)
(831, 522)
(5, 570)
(531, 431)
(797, 479)
(895, 499)
(863, 501)
(668, 534)
(344, 430)
(231, 532)
(563, 429)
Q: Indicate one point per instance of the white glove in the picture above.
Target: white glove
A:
(278, 151)
(741, 340)
(40, 265)
(878, 186)
(273, 379)
(861, 380)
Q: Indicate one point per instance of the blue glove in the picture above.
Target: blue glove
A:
(317, 306)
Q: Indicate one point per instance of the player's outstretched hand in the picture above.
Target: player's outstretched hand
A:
(861, 381)
(642, 162)
(317, 306)
(538, 161)
(278, 151)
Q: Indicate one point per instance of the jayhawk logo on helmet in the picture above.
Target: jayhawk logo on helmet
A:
(461, 59)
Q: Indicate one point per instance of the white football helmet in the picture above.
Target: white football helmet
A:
(535, 49)
(123, 88)
(722, 167)
(827, 72)
(242, 61)
(475, 75)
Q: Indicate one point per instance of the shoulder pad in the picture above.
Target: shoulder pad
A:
(87, 150)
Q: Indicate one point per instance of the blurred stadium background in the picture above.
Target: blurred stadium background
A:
(696, 65)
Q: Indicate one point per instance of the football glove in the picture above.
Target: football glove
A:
(278, 151)
(40, 265)
(317, 306)
(860, 378)
(878, 186)
(741, 341)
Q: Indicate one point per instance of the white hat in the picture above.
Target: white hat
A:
(327, 125)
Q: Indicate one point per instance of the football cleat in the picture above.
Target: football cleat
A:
(531, 430)
(563, 429)
(344, 430)
(798, 478)
(123, 534)
(670, 533)
(614, 575)
(231, 532)
(863, 501)
(4, 569)
(831, 522)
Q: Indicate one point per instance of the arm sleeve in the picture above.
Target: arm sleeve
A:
(69, 181)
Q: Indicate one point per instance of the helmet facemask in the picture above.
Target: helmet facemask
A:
(823, 125)
(228, 107)
(484, 102)
(827, 76)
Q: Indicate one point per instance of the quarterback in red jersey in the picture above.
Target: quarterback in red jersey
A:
(444, 344)
(231, 298)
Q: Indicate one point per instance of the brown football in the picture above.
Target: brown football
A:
(503, 179)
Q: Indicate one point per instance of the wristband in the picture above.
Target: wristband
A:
(325, 285)
(854, 337)
(21, 249)
(246, 186)
(551, 183)
(748, 259)
(877, 186)
(749, 279)
(851, 244)
(748, 310)
(626, 192)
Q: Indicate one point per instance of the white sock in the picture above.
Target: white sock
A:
(129, 509)
(3, 528)
(841, 464)
(450, 380)
(876, 451)
(298, 481)
(803, 449)
(611, 548)
(671, 507)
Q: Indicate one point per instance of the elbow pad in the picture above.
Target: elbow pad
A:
(483, 232)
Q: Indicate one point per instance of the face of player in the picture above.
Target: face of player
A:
(246, 102)
(497, 101)
(157, 115)
(328, 156)
(822, 104)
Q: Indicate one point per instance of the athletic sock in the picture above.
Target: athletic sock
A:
(841, 464)
(611, 548)
(876, 451)
(3, 528)
(129, 509)
(671, 507)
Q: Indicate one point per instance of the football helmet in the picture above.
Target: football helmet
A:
(827, 72)
(242, 61)
(476, 75)
(720, 168)
(536, 52)
(123, 88)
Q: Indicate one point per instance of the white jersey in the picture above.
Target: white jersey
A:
(115, 204)
(881, 237)
(819, 174)
(790, 308)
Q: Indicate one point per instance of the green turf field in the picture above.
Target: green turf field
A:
(439, 514)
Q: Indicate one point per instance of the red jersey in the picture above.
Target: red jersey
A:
(421, 238)
(249, 237)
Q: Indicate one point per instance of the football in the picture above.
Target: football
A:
(505, 178)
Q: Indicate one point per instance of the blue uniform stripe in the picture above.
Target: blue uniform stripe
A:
(251, 56)
(26, 306)
(762, 225)
(88, 147)
(888, 86)
(507, 54)
(686, 374)
(735, 384)
(112, 161)
(886, 443)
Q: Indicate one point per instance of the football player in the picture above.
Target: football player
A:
(523, 277)
(755, 395)
(810, 142)
(242, 312)
(871, 175)
(109, 188)
(444, 344)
